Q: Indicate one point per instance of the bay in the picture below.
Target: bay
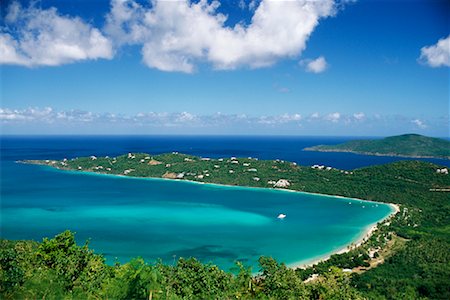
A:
(163, 219)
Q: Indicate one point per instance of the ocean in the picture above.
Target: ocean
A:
(163, 219)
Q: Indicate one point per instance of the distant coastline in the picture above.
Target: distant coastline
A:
(406, 145)
(374, 153)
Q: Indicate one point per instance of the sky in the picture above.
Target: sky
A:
(260, 67)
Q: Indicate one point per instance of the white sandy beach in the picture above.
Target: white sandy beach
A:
(369, 230)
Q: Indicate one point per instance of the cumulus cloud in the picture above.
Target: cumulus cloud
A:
(419, 123)
(160, 119)
(29, 114)
(48, 115)
(315, 115)
(437, 55)
(317, 65)
(34, 37)
(333, 117)
(47, 119)
(359, 116)
(173, 35)
(281, 119)
(177, 35)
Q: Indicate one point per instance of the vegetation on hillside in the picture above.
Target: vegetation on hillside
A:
(416, 268)
(59, 269)
(407, 145)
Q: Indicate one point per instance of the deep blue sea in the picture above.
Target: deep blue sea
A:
(151, 218)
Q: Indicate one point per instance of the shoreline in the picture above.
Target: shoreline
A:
(365, 234)
(362, 238)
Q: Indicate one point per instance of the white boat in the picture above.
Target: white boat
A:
(281, 216)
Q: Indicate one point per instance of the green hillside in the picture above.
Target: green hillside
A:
(407, 145)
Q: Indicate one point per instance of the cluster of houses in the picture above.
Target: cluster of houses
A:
(281, 183)
(321, 167)
(442, 171)
(205, 174)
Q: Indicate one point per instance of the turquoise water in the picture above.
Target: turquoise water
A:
(153, 218)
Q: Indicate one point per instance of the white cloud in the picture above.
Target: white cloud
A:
(173, 35)
(185, 117)
(359, 116)
(314, 115)
(28, 114)
(317, 65)
(177, 35)
(46, 120)
(333, 117)
(419, 123)
(33, 37)
(437, 55)
(183, 120)
(290, 118)
(278, 120)
(164, 119)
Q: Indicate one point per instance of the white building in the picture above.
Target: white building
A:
(282, 183)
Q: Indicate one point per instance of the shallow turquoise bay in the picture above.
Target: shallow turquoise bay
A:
(126, 217)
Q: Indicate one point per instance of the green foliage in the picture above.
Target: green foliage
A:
(134, 280)
(12, 269)
(421, 269)
(50, 269)
(352, 259)
(78, 267)
(244, 284)
(191, 279)
(334, 285)
(281, 282)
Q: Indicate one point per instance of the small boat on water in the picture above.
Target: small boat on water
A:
(281, 216)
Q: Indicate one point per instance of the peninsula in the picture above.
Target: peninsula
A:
(407, 145)
(365, 183)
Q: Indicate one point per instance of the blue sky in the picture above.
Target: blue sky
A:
(255, 67)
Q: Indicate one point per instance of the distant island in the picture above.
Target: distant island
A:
(407, 145)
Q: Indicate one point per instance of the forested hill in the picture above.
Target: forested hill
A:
(407, 145)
